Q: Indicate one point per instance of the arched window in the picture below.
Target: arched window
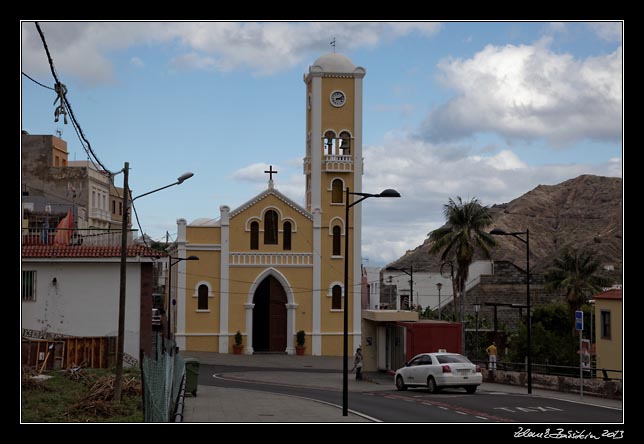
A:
(336, 297)
(345, 143)
(337, 241)
(336, 191)
(254, 235)
(329, 143)
(270, 227)
(287, 235)
(202, 294)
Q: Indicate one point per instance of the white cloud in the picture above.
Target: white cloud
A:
(252, 173)
(426, 178)
(192, 61)
(81, 49)
(528, 91)
(609, 31)
(136, 61)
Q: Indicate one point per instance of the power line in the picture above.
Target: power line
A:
(37, 82)
(61, 89)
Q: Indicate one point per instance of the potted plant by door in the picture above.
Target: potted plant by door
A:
(238, 346)
(300, 348)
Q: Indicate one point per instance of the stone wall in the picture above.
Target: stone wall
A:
(597, 387)
(506, 286)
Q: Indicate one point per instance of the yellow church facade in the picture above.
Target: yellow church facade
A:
(272, 267)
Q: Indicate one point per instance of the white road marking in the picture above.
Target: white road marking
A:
(482, 417)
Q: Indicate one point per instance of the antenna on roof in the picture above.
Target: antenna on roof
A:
(59, 132)
(332, 43)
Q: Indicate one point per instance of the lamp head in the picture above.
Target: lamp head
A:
(389, 193)
(498, 232)
(184, 177)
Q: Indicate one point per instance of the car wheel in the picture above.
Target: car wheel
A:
(470, 388)
(400, 385)
(431, 385)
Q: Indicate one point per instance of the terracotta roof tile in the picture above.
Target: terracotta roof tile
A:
(88, 251)
(613, 293)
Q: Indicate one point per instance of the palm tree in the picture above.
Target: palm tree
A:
(576, 274)
(463, 234)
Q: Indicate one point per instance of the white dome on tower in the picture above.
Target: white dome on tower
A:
(333, 62)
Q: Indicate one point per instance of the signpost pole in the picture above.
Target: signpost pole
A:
(579, 326)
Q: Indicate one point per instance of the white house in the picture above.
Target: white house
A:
(426, 292)
(73, 290)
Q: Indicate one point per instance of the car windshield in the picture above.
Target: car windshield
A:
(446, 359)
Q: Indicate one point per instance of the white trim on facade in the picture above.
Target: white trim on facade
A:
(316, 341)
(340, 221)
(204, 247)
(180, 291)
(291, 306)
(223, 281)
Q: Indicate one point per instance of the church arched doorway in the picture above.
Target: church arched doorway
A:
(269, 316)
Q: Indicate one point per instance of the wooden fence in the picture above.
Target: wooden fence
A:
(93, 352)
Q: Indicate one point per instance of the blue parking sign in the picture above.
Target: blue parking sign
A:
(579, 320)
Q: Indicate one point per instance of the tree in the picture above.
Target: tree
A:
(463, 234)
(576, 274)
(549, 340)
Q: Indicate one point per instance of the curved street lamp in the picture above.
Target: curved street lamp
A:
(345, 362)
(170, 301)
(118, 380)
(526, 241)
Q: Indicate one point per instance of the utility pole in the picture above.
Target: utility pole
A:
(121, 329)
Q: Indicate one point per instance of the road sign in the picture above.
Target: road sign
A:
(579, 320)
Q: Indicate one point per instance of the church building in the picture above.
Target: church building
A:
(272, 267)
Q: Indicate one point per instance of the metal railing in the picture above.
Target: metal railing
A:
(544, 368)
(74, 236)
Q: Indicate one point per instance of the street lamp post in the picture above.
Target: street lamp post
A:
(345, 345)
(477, 307)
(118, 379)
(409, 273)
(177, 260)
(526, 241)
(439, 285)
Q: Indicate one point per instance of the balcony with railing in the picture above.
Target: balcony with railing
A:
(338, 163)
(98, 213)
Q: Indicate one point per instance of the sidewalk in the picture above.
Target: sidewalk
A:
(217, 404)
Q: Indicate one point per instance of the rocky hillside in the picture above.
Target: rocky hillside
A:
(582, 212)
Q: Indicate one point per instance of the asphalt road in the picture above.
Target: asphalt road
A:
(418, 405)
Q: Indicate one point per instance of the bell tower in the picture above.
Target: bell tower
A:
(333, 163)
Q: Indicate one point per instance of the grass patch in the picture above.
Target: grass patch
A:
(65, 399)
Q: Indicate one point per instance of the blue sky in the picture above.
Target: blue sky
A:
(471, 109)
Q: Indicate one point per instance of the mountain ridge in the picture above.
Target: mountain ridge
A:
(582, 212)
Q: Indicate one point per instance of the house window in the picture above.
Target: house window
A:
(254, 235)
(336, 191)
(337, 241)
(336, 298)
(120, 208)
(29, 286)
(270, 228)
(202, 294)
(113, 206)
(287, 235)
(605, 324)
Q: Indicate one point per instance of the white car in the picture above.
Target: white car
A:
(439, 370)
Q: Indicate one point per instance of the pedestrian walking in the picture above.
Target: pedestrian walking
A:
(491, 353)
(357, 364)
